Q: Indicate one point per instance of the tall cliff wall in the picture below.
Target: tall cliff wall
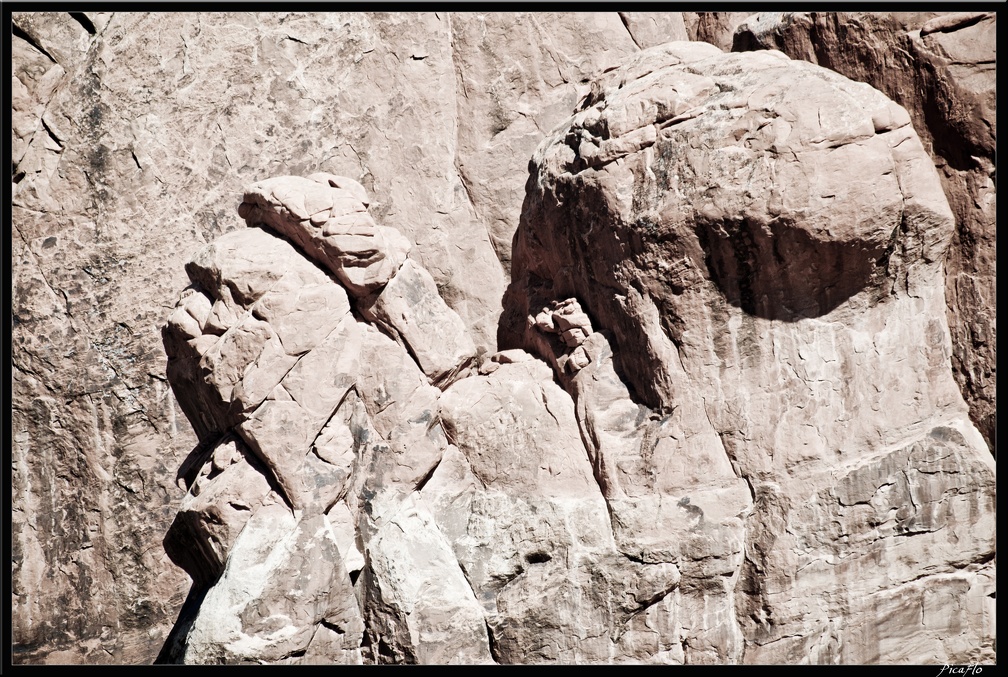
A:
(133, 138)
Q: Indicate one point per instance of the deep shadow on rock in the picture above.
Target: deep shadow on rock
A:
(778, 272)
(941, 68)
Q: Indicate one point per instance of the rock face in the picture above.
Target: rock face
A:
(725, 429)
(941, 68)
(135, 136)
(427, 521)
(760, 243)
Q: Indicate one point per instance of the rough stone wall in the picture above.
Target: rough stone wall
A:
(941, 68)
(132, 137)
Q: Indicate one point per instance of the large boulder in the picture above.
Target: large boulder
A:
(763, 242)
(941, 68)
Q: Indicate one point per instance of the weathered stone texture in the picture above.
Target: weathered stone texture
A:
(767, 263)
(715, 422)
(941, 68)
(133, 137)
(736, 422)
(455, 506)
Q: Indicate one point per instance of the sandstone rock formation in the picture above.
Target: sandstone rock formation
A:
(941, 68)
(763, 241)
(724, 429)
(133, 135)
(316, 425)
(133, 138)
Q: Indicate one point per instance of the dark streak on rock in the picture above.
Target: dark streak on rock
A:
(18, 32)
(83, 20)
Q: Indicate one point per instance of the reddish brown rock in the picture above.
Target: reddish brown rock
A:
(332, 417)
(411, 309)
(284, 597)
(133, 138)
(654, 28)
(222, 496)
(717, 28)
(330, 223)
(526, 518)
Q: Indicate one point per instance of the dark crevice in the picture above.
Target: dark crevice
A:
(637, 559)
(537, 557)
(653, 599)
(18, 32)
(83, 20)
(335, 627)
(984, 559)
(173, 649)
(492, 642)
(52, 134)
(501, 581)
(262, 466)
(426, 478)
(296, 653)
(198, 456)
(459, 371)
(626, 25)
(335, 410)
(386, 651)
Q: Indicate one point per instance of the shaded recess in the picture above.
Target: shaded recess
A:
(779, 272)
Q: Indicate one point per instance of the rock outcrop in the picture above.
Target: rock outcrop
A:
(135, 136)
(941, 68)
(443, 499)
(724, 429)
(760, 244)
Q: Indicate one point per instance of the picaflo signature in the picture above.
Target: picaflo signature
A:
(960, 670)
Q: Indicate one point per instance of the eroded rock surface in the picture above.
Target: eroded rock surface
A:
(447, 502)
(133, 138)
(759, 245)
(941, 68)
(734, 436)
